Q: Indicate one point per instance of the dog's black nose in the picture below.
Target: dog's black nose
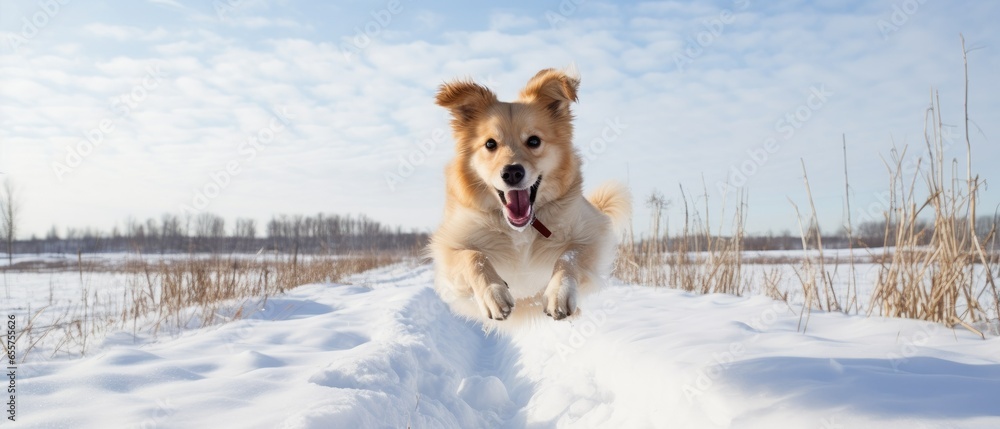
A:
(512, 174)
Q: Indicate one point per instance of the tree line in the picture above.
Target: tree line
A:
(207, 232)
(10, 217)
(872, 234)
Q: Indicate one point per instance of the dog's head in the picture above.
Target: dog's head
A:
(513, 156)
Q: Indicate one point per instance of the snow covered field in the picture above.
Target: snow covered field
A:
(384, 351)
(67, 307)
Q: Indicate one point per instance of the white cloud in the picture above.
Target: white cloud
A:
(117, 32)
(171, 3)
(508, 21)
(260, 22)
(428, 20)
(179, 48)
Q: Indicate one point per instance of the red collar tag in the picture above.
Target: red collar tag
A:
(537, 224)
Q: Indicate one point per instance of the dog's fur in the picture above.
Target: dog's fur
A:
(489, 268)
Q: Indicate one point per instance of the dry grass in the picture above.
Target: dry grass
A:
(771, 281)
(948, 280)
(174, 293)
(940, 282)
(167, 288)
(814, 277)
(696, 261)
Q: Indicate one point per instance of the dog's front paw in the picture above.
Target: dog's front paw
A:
(560, 302)
(496, 302)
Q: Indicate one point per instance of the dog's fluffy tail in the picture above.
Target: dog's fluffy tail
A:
(614, 200)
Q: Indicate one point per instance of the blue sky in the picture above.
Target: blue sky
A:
(253, 108)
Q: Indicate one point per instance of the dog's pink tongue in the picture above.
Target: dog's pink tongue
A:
(518, 206)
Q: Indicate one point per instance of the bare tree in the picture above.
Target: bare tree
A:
(244, 233)
(171, 230)
(53, 234)
(209, 229)
(10, 206)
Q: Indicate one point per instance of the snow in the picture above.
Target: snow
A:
(384, 351)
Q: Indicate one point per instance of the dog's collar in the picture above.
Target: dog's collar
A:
(537, 224)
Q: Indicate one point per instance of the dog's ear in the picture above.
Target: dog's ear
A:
(465, 99)
(553, 89)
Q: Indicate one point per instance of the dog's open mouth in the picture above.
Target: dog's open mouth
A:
(518, 204)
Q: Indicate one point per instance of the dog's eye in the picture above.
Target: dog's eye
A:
(491, 144)
(534, 142)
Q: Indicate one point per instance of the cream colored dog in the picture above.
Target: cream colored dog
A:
(517, 232)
